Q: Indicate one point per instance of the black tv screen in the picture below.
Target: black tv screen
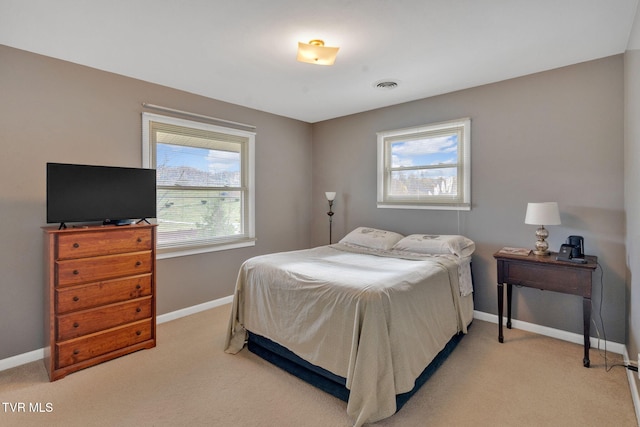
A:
(84, 193)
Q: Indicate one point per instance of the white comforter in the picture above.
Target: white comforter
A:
(376, 321)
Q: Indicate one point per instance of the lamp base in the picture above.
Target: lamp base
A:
(542, 247)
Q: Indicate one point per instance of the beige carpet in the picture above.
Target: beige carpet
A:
(530, 380)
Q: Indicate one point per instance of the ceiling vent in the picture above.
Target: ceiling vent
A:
(386, 84)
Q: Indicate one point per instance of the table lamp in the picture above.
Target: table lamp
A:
(542, 214)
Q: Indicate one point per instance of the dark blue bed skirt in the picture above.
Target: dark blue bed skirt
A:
(327, 381)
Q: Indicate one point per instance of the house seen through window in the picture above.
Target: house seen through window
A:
(205, 187)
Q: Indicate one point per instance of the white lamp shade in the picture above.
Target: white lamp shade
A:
(545, 213)
(331, 195)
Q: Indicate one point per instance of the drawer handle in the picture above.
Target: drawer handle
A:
(76, 245)
(76, 298)
(76, 351)
(76, 272)
(138, 310)
(76, 324)
(138, 286)
(138, 332)
(139, 239)
(138, 263)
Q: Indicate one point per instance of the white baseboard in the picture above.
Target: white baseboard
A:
(193, 309)
(631, 378)
(32, 356)
(613, 347)
(21, 359)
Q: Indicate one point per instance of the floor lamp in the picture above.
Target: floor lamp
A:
(331, 195)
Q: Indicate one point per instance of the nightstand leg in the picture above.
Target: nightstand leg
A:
(500, 310)
(509, 293)
(586, 313)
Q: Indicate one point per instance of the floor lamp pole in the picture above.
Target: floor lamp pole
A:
(331, 195)
(330, 213)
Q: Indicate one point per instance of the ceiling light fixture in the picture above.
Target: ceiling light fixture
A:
(315, 52)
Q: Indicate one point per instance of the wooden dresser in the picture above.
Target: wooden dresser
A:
(99, 294)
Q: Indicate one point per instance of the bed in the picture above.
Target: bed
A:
(367, 319)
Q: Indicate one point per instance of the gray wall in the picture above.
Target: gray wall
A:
(632, 185)
(55, 111)
(556, 135)
(552, 136)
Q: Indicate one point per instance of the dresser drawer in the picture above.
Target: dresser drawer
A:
(86, 322)
(87, 347)
(85, 270)
(103, 242)
(105, 292)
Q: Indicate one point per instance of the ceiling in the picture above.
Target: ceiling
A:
(243, 51)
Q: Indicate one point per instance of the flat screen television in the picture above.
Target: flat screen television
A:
(87, 193)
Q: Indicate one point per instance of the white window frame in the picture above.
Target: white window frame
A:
(439, 202)
(148, 160)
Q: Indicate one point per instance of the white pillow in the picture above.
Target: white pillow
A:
(372, 238)
(436, 244)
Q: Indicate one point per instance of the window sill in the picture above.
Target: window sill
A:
(425, 206)
(164, 253)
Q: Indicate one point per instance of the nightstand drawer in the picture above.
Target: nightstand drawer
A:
(109, 291)
(85, 270)
(109, 316)
(84, 348)
(549, 278)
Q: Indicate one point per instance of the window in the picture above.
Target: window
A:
(205, 184)
(426, 167)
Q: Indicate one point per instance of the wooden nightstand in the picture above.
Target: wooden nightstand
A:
(544, 272)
